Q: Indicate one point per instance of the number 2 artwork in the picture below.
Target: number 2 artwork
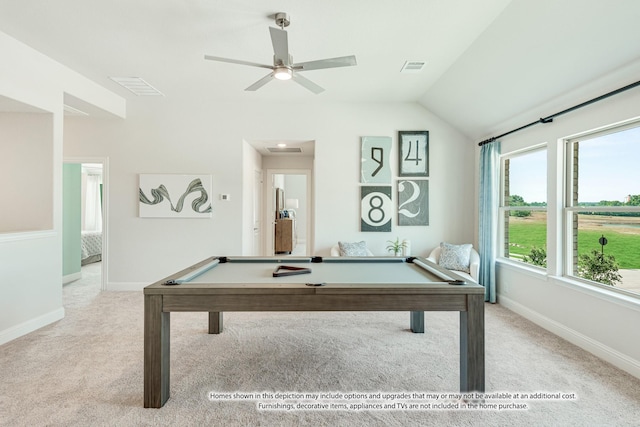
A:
(413, 153)
(413, 202)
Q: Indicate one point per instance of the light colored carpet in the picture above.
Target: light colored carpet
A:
(87, 369)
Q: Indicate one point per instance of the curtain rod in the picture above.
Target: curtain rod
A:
(550, 118)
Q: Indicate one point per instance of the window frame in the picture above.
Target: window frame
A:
(570, 205)
(504, 208)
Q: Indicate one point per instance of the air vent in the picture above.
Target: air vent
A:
(137, 86)
(413, 66)
(284, 150)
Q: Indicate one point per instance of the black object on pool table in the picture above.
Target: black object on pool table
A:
(287, 270)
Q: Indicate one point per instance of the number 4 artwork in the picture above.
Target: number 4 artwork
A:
(413, 153)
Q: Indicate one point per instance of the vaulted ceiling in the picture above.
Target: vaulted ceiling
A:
(486, 61)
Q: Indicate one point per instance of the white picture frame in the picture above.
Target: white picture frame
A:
(174, 196)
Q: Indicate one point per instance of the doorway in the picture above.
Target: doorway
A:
(256, 249)
(289, 211)
(93, 222)
(268, 158)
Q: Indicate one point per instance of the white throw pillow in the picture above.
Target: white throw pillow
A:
(455, 257)
(353, 249)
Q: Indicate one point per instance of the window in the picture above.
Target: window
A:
(524, 207)
(602, 209)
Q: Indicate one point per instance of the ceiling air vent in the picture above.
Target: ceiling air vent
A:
(137, 86)
(413, 66)
(284, 149)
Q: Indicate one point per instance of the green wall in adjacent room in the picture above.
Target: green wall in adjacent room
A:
(71, 218)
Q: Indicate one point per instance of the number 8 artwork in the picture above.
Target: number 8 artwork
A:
(376, 208)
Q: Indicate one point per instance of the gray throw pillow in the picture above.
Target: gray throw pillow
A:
(353, 249)
(455, 257)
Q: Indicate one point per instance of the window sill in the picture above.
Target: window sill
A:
(537, 272)
(621, 298)
(613, 295)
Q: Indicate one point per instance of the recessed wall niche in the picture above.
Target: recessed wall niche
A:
(26, 171)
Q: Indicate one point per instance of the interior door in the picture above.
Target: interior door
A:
(257, 214)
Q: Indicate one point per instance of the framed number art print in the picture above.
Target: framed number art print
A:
(376, 208)
(375, 168)
(413, 153)
(413, 202)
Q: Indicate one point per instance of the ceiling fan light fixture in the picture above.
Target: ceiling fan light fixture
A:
(283, 67)
(282, 73)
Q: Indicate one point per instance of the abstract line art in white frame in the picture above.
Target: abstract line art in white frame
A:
(175, 196)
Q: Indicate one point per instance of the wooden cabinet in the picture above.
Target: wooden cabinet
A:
(285, 235)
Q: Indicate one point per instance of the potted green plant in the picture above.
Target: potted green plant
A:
(396, 246)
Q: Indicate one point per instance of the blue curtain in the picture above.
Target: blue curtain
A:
(488, 207)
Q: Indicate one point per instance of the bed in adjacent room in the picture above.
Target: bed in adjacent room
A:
(91, 247)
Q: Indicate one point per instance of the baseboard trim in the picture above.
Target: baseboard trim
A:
(71, 277)
(31, 325)
(598, 349)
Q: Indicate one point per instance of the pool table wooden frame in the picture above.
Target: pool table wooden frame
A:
(160, 300)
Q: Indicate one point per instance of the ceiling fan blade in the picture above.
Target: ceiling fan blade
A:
(303, 81)
(342, 61)
(237, 61)
(263, 81)
(280, 45)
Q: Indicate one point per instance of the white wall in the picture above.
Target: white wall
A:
(26, 172)
(598, 320)
(169, 136)
(31, 266)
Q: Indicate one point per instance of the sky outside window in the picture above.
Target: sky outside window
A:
(528, 176)
(609, 167)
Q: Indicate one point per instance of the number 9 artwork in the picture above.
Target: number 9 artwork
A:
(375, 155)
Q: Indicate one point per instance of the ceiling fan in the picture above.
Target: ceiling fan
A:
(283, 67)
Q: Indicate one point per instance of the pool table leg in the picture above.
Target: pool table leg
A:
(472, 376)
(417, 322)
(156, 352)
(215, 322)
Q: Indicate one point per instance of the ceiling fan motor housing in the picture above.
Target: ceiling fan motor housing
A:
(282, 20)
(279, 62)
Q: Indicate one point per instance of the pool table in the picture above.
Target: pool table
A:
(220, 284)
